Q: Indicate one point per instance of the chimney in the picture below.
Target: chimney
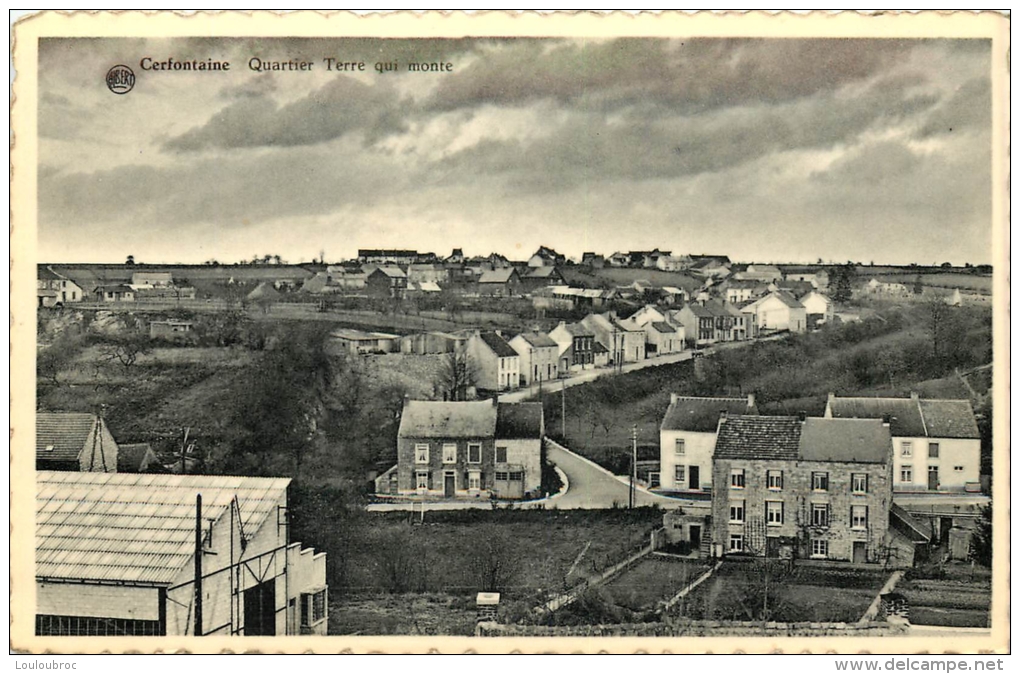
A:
(832, 396)
(673, 398)
(886, 420)
(722, 416)
(801, 415)
(750, 400)
(914, 396)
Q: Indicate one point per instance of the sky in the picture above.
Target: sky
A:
(764, 150)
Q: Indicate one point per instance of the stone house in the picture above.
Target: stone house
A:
(500, 282)
(387, 281)
(576, 346)
(539, 357)
(802, 487)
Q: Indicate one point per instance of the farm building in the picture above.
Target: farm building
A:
(74, 441)
(116, 555)
(360, 342)
(170, 329)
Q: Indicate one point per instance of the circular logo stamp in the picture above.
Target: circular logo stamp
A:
(120, 79)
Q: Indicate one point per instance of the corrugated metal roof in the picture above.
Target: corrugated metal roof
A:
(135, 527)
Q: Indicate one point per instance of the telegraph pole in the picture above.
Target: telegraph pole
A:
(563, 409)
(633, 462)
(198, 565)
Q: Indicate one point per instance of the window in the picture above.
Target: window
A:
(679, 449)
(933, 450)
(906, 449)
(820, 481)
(775, 479)
(906, 473)
(502, 476)
(859, 483)
(736, 511)
(679, 475)
(819, 547)
(820, 514)
(737, 478)
(313, 607)
(500, 454)
(774, 512)
(736, 542)
(475, 452)
(421, 480)
(858, 517)
(958, 469)
(474, 480)
(449, 453)
(421, 453)
(516, 476)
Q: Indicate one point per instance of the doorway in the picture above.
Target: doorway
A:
(449, 484)
(860, 552)
(260, 609)
(694, 477)
(933, 478)
(695, 536)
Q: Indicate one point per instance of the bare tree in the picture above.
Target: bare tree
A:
(497, 561)
(935, 318)
(124, 350)
(456, 375)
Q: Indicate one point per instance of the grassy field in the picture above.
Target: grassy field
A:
(962, 598)
(410, 614)
(734, 592)
(654, 579)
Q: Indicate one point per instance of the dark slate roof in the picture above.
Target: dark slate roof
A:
(135, 458)
(519, 420)
(538, 339)
(502, 275)
(849, 440)
(701, 415)
(700, 311)
(44, 273)
(663, 327)
(912, 418)
(949, 418)
(904, 523)
(788, 299)
(756, 437)
(542, 272)
(578, 330)
(429, 419)
(598, 347)
(498, 345)
(65, 433)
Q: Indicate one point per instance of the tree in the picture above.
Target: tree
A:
(124, 350)
(496, 559)
(402, 558)
(130, 261)
(936, 314)
(844, 276)
(918, 286)
(456, 375)
(981, 539)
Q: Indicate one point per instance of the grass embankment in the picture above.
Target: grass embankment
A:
(959, 595)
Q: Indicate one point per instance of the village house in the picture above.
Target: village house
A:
(673, 262)
(687, 438)
(387, 256)
(496, 365)
(500, 282)
(816, 276)
(776, 312)
(426, 273)
(648, 314)
(593, 260)
(456, 257)
(710, 266)
(576, 346)
(674, 295)
(540, 277)
(936, 443)
(738, 292)
(818, 308)
(663, 338)
(887, 288)
(803, 487)
(75, 441)
(53, 288)
(134, 573)
(699, 324)
(468, 450)
(138, 458)
(623, 340)
(765, 273)
(117, 292)
(152, 279)
(618, 259)
(387, 281)
(360, 342)
(345, 277)
(426, 343)
(539, 357)
(170, 329)
(546, 257)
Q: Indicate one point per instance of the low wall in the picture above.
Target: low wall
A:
(693, 628)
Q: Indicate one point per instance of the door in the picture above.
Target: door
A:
(933, 478)
(260, 609)
(449, 484)
(695, 536)
(694, 481)
(860, 552)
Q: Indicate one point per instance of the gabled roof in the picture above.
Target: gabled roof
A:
(538, 339)
(44, 273)
(391, 271)
(699, 310)
(701, 415)
(851, 440)
(498, 345)
(264, 291)
(136, 528)
(431, 419)
(905, 524)
(660, 326)
(911, 417)
(577, 330)
(756, 437)
(519, 421)
(598, 347)
(61, 436)
(501, 275)
(542, 272)
(135, 458)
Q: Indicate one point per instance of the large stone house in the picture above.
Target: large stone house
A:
(471, 449)
(687, 438)
(936, 443)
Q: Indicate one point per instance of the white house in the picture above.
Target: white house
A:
(662, 338)
(819, 308)
(496, 365)
(115, 555)
(936, 443)
(687, 438)
(777, 311)
(53, 288)
(539, 357)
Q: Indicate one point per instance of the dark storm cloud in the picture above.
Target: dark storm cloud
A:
(688, 76)
(337, 108)
(588, 148)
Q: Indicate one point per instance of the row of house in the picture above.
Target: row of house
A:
(54, 288)
(819, 488)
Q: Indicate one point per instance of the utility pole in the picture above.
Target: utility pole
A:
(633, 463)
(563, 409)
(198, 565)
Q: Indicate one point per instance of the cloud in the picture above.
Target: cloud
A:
(340, 107)
(969, 107)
